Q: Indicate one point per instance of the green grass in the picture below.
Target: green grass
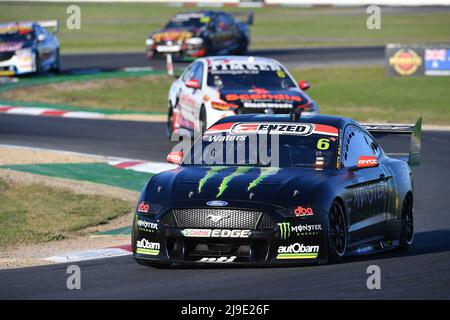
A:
(144, 94)
(124, 27)
(37, 213)
(362, 93)
(368, 94)
(101, 173)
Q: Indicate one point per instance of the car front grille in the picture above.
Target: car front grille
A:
(6, 55)
(218, 218)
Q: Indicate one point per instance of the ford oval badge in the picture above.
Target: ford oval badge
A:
(217, 203)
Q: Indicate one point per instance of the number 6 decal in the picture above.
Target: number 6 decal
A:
(323, 144)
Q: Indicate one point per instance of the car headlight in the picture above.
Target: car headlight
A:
(145, 207)
(149, 42)
(195, 42)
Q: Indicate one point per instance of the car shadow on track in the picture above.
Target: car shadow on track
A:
(424, 243)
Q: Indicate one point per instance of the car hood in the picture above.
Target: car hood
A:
(261, 98)
(173, 34)
(196, 185)
(13, 46)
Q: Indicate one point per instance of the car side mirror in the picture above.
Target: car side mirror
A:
(367, 162)
(194, 84)
(175, 157)
(304, 85)
(41, 37)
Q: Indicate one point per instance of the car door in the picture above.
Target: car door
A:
(190, 100)
(44, 46)
(370, 189)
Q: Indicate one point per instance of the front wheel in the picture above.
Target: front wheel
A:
(153, 264)
(337, 233)
(203, 120)
(57, 64)
(170, 121)
(407, 224)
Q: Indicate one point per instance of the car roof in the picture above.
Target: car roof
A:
(203, 12)
(248, 59)
(4, 27)
(335, 121)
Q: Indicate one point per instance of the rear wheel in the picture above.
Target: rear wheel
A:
(407, 223)
(337, 234)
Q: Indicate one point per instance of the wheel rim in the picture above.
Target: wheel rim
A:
(338, 229)
(407, 220)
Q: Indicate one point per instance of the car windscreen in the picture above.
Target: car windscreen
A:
(249, 76)
(277, 144)
(188, 21)
(16, 36)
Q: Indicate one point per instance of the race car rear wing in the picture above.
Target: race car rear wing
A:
(244, 17)
(415, 130)
(49, 24)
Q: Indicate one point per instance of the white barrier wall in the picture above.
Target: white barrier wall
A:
(361, 2)
(270, 2)
(137, 1)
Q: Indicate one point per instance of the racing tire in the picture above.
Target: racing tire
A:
(153, 264)
(170, 126)
(244, 48)
(407, 224)
(57, 65)
(337, 233)
(37, 62)
(208, 49)
(203, 120)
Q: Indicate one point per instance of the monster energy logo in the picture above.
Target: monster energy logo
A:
(224, 185)
(285, 230)
(265, 172)
(211, 173)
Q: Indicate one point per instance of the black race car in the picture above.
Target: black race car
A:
(199, 34)
(279, 189)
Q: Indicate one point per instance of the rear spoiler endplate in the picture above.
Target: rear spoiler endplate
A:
(414, 130)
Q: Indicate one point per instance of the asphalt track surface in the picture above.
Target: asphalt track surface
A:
(291, 57)
(421, 273)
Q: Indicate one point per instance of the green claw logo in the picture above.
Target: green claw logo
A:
(285, 230)
(224, 185)
(209, 174)
(265, 172)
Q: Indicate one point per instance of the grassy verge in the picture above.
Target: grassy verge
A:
(35, 213)
(368, 94)
(144, 94)
(124, 27)
(365, 94)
